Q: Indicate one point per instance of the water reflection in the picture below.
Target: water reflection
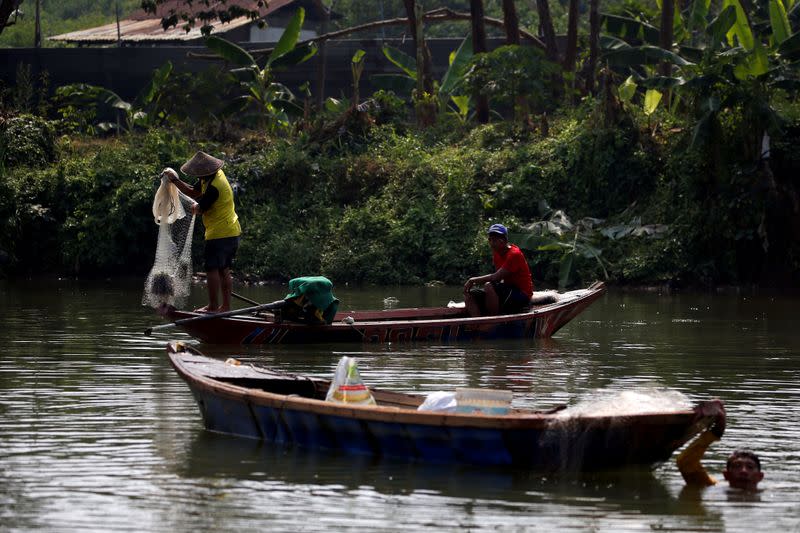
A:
(336, 477)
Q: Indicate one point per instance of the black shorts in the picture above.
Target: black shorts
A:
(219, 253)
(512, 300)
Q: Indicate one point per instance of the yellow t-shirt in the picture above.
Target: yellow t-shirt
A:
(689, 461)
(220, 219)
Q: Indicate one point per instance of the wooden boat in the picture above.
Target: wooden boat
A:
(439, 324)
(259, 403)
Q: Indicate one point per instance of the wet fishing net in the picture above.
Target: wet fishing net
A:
(168, 282)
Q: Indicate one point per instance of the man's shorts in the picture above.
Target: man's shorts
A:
(512, 300)
(219, 253)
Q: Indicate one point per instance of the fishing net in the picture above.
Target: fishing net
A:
(169, 280)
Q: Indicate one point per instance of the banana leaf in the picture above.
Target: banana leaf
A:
(246, 74)
(289, 36)
(691, 53)
(294, 57)
(152, 89)
(643, 55)
(612, 43)
(755, 64)
(662, 83)
(651, 100)
(698, 14)
(790, 48)
(401, 60)
(462, 104)
(630, 28)
(230, 51)
(718, 29)
(741, 28)
(459, 60)
(781, 30)
(627, 89)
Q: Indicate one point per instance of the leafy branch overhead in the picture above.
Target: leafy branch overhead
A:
(183, 12)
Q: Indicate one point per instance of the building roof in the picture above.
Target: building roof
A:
(141, 27)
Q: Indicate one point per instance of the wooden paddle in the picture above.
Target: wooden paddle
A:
(245, 299)
(209, 316)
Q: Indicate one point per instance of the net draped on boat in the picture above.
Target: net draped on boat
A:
(168, 282)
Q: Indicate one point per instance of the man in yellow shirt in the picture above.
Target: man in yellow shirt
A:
(742, 471)
(214, 197)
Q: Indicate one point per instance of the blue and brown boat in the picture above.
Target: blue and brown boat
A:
(285, 409)
(549, 312)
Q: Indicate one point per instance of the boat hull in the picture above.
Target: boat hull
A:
(395, 326)
(529, 440)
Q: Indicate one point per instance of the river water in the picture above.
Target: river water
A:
(97, 433)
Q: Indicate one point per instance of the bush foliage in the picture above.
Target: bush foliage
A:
(400, 205)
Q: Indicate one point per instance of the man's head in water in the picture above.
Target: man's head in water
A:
(743, 470)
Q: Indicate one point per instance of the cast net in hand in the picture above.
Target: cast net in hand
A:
(169, 279)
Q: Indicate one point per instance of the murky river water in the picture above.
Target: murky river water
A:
(97, 433)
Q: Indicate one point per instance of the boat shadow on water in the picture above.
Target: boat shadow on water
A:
(627, 490)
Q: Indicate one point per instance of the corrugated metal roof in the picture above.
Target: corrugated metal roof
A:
(143, 27)
(141, 31)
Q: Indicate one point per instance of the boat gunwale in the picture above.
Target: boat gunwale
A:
(430, 322)
(391, 414)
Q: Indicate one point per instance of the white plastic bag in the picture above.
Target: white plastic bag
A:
(347, 385)
(442, 401)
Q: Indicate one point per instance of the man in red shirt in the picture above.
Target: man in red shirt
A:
(509, 288)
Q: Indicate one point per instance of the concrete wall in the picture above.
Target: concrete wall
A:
(126, 70)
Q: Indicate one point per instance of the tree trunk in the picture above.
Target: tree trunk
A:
(571, 50)
(479, 46)
(665, 36)
(37, 33)
(549, 34)
(425, 67)
(511, 22)
(425, 100)
(322, 62)
(594, 44)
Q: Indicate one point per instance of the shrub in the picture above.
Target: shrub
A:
(26, 140)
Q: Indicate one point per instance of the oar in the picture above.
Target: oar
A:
(244, 299)
(262, 307)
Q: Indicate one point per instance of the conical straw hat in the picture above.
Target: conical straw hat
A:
(202, 164)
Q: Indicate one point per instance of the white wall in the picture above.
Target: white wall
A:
(271, 34)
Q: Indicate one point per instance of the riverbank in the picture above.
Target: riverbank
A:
(386, 204)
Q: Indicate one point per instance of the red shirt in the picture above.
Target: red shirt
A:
(513, 261)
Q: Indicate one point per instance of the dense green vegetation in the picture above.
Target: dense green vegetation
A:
(396, 206)
(652, 176)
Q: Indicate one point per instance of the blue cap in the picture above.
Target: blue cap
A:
(499, 229)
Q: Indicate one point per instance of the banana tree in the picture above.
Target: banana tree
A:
(447, 92)
(569, 240)
(142, 112)
(269, 100)
(584, 239)
(734, 68)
